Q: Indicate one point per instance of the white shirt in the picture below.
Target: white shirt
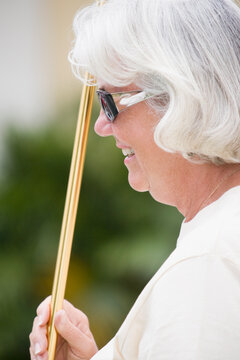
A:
(190, 309)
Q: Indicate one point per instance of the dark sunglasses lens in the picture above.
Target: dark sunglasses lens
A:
(106, 108)
(108, 105)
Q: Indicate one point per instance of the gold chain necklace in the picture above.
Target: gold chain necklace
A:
(226, 177)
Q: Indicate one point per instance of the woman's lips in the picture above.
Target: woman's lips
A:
(127, 151)
(130, 158)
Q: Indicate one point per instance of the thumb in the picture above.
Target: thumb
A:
(81, 345)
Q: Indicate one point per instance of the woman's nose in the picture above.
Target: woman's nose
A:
(103, 127)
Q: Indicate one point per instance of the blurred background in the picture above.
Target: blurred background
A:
(121, 237)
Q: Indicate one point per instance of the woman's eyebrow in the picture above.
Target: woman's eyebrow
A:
(110, 89)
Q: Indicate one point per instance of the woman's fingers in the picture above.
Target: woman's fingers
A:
(43, 311)
(72, 326)
(38, 336)
(32, 355)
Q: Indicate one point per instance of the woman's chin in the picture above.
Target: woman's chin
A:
(138, 183)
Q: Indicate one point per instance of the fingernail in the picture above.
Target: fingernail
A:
(37, 349)
(40, 320)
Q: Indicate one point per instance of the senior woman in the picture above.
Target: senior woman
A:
(169, 86)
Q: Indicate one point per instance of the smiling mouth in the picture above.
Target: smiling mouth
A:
(128, 152)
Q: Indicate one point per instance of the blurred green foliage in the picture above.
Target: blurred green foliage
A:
(121, 237)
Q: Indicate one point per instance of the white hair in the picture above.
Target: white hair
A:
(185, 51)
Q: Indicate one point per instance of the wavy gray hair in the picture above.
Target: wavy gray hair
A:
(188, 51)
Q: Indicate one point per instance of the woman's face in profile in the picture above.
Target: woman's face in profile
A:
(149, 167)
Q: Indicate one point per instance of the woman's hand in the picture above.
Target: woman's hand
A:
(75, 340)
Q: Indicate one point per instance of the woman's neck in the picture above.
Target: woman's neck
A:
(205, 184)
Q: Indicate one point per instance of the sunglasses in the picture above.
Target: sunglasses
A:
(114, 103)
